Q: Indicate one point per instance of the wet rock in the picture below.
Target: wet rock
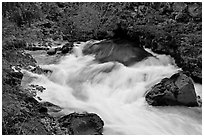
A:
(39, 70)
(51, 107)
(199, 101)
(43, 110)
(176, 90)
(123, 51)
(32, 90)
(18, 75)
(82, 124)
(67, 47)
(37, 88)
(52, 51)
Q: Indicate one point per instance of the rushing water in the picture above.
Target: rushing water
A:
(116, 93)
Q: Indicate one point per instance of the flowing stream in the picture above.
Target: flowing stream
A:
(116, 93)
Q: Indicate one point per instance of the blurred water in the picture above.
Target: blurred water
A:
(116, 93)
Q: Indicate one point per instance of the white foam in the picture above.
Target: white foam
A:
(116, 93)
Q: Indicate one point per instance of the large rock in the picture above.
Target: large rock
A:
(51, 108)
(176, 90)
(67, 47)
(82, 124)
(123, 51)
(52, 51)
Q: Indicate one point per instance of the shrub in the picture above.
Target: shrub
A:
(11, 44)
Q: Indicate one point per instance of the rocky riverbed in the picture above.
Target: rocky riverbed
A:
(22, 113)
(166, 28)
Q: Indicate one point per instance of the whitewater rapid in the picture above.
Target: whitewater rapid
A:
(116, 93)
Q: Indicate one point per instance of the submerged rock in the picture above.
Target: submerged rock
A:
(82, 124)
(123, 51)
(176, 90)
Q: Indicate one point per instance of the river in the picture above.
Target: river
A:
(115, 92)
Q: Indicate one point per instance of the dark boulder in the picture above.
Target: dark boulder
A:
(82, 124)
(199, 101)
(43, 110)
(51, 107)
(52, 51)
(67, 47)
(176, 90)
(121, 50)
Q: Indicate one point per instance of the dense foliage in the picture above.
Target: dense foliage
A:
(165, 27)
(97, 20)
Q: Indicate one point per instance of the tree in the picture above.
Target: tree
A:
(21, 13)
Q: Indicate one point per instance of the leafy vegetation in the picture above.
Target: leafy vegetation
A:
(165, 27)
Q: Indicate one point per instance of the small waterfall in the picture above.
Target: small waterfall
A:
(116, 93)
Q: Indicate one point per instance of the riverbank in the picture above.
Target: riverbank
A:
(21, 113)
